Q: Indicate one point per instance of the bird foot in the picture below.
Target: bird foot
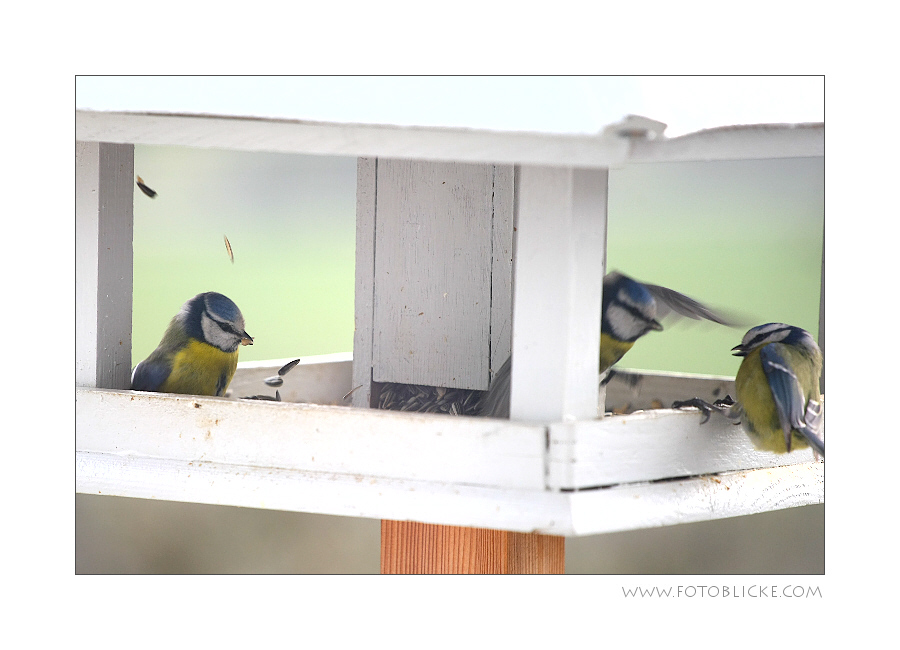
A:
(705, 407)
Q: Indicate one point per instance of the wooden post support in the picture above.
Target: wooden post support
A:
(104, 226)
(412, 547)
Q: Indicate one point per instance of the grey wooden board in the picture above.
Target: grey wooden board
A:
(104, 226)
(432, 307)
(364, 287)
(501, 269)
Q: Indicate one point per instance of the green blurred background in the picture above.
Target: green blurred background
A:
(743, 236)
(291, 224)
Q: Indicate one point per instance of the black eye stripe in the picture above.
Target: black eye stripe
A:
(225, 325)
(634, 311)
(763, 336)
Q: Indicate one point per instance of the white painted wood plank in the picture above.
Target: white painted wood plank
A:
(740, 142)
(104, 226)
(364, 288)
(501, 266)
(321, 379)
(357, 140)
(321, 492)
(361, 442)
(432, 274)
(703, 498)
(652, 445)
(624, 507)
(558, 274)
(435, 143)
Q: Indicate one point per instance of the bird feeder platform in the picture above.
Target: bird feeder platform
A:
(471, 245)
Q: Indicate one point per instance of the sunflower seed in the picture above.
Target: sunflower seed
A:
(286, 367)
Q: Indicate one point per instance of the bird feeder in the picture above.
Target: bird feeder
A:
(472, 246)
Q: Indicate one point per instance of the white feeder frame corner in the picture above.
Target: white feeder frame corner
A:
(441, 300)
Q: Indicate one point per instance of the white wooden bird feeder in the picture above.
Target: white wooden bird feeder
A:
(471, 245)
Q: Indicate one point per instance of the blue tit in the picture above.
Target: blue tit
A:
(198, 353)
(629, 310)
(777, 388)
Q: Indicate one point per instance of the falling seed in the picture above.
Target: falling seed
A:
(274, 381)
(277, 396)
(288, 366)
(146, 190)
(352, 390)
(228, 248)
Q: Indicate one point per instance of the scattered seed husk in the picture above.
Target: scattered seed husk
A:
(288, 366)
(419, 398)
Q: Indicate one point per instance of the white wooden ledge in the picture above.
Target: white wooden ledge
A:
(577, 477)
(600, 150)
(574, 478)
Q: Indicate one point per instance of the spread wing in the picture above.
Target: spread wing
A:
(793, 411)
(496, 402)
(668, 301)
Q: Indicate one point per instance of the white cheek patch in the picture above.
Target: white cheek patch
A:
(215, 335)
(624, 325)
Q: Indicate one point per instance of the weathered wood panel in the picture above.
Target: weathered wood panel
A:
(364, 287)
(432, 311)
(104, 227)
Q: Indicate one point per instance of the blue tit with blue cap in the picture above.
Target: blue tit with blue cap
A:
(198, 353)
(629, 310)
(777, 388)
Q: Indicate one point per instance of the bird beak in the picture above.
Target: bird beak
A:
(246, 339)
(655, 325)
(741, 352)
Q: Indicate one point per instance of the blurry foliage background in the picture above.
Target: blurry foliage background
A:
(743, 236)
(291, 222)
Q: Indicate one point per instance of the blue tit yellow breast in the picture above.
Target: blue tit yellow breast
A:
(611, 350)
(200, 369)
(760, 414)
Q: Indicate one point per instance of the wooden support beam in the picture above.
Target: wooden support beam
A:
(560, 245)
(412, 547)
(104, 226)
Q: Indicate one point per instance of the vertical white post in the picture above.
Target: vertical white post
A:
(558, 271)
(104, 257)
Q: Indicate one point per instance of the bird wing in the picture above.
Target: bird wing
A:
(496, 402)
(668, 301)
(792, 407)
(149, 375)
